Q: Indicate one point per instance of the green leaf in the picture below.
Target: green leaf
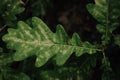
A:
(117, 39)
(20, 76)
(40, 7)
(5, 59)
(107, 70)
(8, 73)
(1, 50)
(106, 12)
(100, 28)
(9, 10)
(63, 73)
(45, 44)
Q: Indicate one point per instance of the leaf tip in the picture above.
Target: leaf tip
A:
(36, 19)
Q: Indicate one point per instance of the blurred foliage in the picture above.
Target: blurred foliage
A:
(106, 12)
(39, 7)
(8, 11)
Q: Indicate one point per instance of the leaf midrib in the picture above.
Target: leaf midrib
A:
(40, 43)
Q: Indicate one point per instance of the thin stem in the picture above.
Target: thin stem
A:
(26, 1)
(104, 55)
(107, 19)
(82, 65)
(103, 52)
(2, 28)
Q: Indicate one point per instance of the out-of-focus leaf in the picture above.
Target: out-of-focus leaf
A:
(107, 71)
(106, 12)
(5, 59)
(1, 50)
(63, 73)
(9, 9)
(39, 7)
(117, 40)
(10, 74)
